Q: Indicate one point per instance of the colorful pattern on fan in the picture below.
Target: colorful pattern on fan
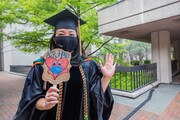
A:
(56, 66)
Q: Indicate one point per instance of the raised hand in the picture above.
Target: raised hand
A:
(107, 70)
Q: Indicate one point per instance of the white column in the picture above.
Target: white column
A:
(161, 55)
(155, 52)
(165, 59)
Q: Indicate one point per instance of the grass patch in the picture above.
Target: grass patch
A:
(130, 81)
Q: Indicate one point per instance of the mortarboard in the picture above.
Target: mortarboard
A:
(63, 16)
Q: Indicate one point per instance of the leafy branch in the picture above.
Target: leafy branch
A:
(100, 46)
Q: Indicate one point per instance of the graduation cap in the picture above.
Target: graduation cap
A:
(64, 19)
(68, 20)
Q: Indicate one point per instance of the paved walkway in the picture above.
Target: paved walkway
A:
(164, 105)
(10, 91)
(11, 86)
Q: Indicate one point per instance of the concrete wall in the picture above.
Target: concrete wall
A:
(12, 56)
(136, 12)
(7, 56)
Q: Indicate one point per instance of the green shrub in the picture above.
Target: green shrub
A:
(135, 62)
(147, 61)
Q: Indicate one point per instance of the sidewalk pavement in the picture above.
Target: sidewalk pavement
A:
(164, 105)
(10, 91)
(166, 108)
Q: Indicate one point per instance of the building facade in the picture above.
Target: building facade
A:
(11, 56)
(153, 21)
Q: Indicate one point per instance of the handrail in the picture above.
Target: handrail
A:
(133, 78)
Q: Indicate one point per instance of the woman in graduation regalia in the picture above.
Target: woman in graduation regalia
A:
(85, 96)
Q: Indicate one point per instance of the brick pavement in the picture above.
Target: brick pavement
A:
(120, 111)
(10, 91)
(172, 112)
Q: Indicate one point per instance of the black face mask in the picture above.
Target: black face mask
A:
(69, 44)
(66, 43)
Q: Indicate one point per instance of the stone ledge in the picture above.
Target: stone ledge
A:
(19, 74)
(136, 93)
(22, 69)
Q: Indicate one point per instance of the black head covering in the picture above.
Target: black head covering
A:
(68, 20)
(64, 19)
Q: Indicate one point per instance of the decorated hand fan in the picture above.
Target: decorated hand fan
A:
(56, 66)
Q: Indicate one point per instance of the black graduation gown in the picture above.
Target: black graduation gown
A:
(100, 103)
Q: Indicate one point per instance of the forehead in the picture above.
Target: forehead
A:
(65, 30)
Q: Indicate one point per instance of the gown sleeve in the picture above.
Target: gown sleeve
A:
(32, 91)
(101, 103)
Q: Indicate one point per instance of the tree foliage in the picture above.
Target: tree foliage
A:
(31, 13)
(138, 50)
(116, 48)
